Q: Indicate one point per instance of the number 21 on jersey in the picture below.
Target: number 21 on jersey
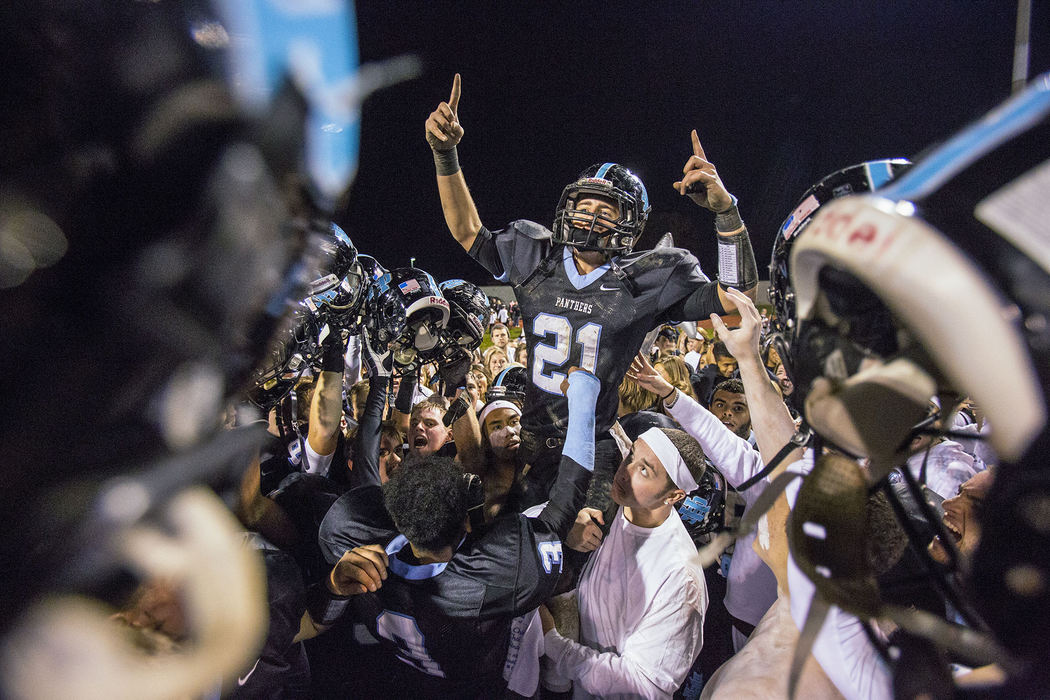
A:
(555, 350)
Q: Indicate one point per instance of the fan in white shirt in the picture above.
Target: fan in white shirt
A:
(642, 594)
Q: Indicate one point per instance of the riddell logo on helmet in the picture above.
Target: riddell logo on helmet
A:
(440, 301)
(594, 181)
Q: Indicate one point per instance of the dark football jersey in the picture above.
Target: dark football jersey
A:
(595, 321)
(450, 623)
(281, 670)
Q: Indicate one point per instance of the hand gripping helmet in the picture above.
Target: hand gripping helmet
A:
(509, 384)
(339, 284)
(468, 313)
(405, 311)
(587, 231)
(958, 242)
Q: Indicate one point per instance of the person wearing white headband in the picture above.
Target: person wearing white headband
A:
(500, 422)
(642, 594)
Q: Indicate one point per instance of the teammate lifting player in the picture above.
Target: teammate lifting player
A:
(585, 297)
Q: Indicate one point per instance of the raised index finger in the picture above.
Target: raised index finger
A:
(453, 100)
(698, 150)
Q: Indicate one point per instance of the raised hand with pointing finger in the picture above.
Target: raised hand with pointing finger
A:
(443, 128)
(700, 181)
(736, 259)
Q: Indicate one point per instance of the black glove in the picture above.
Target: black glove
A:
(453, 372)
(333, 348)
(405, 393)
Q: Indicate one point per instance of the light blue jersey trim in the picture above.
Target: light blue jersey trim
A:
(412, 572)
(580, 281)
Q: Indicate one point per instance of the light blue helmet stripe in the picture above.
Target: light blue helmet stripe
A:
(998, 126)
(879, 172)
(604, 169)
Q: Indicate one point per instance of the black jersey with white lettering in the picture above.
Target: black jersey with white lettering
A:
(595, 321)
(450, 623)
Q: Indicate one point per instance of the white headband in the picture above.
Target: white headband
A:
(495, 406)
(671, 458)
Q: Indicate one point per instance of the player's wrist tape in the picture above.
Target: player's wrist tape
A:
(729, 220)
(736, 261)
(325, 607)
(446, 162)
(405, 392)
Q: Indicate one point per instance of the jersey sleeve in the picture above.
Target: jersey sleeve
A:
(276, 673)
(316, 463)
(511, 254)
(731, 454)
(366, 444)
(357, 518)
(539, 540)
(688, 294)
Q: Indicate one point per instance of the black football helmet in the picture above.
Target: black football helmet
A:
(406, 311)
(587, 231)
(957, 242)
(469, 311)
(339, 284)
(509, 384)
(855, 179)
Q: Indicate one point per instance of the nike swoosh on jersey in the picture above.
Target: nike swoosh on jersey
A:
(242, 681)
(609, 289)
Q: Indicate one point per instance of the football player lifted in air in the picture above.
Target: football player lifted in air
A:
(586, 299)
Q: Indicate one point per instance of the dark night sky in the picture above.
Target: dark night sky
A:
(781, 93)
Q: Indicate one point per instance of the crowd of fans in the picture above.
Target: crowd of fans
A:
(429, 557)
(599, 489)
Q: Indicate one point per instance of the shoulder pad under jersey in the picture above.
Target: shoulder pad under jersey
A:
(530, 229)
(644, 260)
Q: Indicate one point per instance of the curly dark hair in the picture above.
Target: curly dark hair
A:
(427, 499)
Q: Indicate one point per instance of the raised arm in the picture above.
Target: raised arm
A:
(326, 406)
(444, 132)
(378, 365)
(736, 259)
(770, 418)
(731, 454)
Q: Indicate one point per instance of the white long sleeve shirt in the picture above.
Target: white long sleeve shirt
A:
(947, 466)
(842, 647)
(751, 586)
(642, 599)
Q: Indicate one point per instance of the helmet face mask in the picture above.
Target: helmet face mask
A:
(468, 312)
(340, 284)
(943, 251)
(585, 230)
(406, 311)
